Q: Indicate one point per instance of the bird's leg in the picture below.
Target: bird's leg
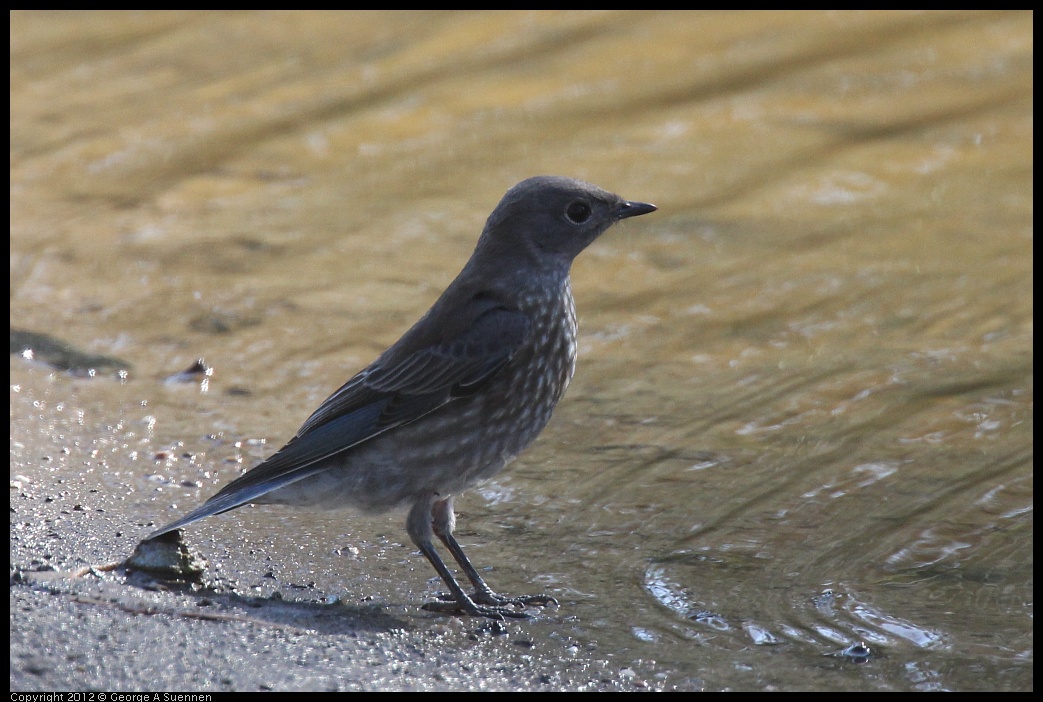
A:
(418, 525)
(443, 521)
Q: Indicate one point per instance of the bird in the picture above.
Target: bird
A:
(458, 397)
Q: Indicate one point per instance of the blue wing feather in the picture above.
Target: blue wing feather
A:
(394, 390)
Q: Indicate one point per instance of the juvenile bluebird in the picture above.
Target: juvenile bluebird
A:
(459, 396)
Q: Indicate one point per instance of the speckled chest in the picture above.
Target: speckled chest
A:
(508, 413)
(543, 370)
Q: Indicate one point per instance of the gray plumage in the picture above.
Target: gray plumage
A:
(460, 395)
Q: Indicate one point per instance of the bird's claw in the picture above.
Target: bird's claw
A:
(486, 603)
(475, 610)
(494, 600)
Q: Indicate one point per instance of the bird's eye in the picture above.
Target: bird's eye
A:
(578, 212)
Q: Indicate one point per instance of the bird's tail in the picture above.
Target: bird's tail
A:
(221, 502)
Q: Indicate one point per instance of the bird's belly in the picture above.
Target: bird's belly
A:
(444, 452)
(465, 441)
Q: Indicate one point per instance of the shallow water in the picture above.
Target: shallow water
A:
(802, 417)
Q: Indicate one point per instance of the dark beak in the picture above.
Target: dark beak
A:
(634, 209)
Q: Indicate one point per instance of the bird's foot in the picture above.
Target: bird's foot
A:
(488, 597)
(469, 606)
(486, 603)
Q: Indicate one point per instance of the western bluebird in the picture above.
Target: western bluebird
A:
(459, 396)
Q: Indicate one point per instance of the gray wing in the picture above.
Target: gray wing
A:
(396, 389)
